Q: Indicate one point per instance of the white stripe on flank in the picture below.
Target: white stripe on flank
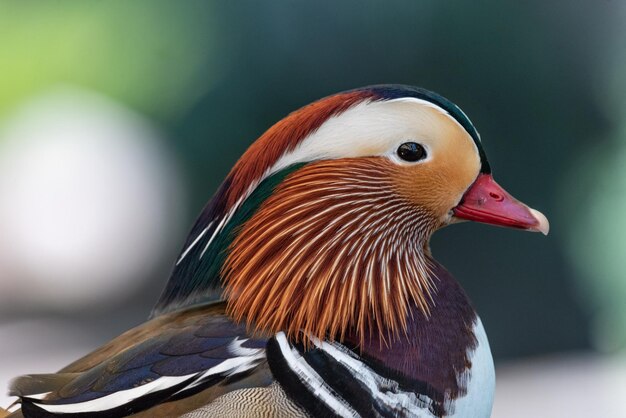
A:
(311, 379)
(247, 359)
(119, 398)
(230, 367)
(236, 348)
(38, 396)
(193, 244)
(391, 396)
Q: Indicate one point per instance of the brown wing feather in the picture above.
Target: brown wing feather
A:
(142, 333)
(179, 344)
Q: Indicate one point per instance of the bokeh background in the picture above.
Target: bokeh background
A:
(118, 120)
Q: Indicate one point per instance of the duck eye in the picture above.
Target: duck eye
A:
(411, 151)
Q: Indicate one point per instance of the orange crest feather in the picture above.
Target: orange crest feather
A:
(334, 250)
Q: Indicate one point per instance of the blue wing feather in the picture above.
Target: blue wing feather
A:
(152, 369)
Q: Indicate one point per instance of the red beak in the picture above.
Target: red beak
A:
(485, 201)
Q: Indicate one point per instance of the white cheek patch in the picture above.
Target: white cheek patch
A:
(370, 129)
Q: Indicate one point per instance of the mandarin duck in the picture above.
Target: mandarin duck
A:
(307, 287)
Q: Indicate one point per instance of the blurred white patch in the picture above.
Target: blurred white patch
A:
(88, 201)
(575, 386)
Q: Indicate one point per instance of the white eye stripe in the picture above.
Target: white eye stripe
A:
(373, 128)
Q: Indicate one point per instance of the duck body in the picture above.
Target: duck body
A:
(205, 365)
(307, 287)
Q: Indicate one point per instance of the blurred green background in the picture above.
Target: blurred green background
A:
(542, 81)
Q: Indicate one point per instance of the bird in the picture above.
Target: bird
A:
(307, 286)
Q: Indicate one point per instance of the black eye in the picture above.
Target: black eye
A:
(411, 151)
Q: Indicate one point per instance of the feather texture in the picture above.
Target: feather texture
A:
(193, 279)
(334, 248)
(171, 357)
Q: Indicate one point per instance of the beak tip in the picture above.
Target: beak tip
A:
(543, 225)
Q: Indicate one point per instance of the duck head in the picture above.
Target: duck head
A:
(323, 225)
